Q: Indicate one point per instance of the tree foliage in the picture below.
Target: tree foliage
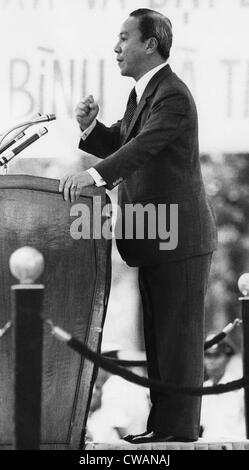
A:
(226, 179)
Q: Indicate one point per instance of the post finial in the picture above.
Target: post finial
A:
(243, 284)
(26, 264)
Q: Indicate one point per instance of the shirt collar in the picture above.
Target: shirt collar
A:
(142, 83)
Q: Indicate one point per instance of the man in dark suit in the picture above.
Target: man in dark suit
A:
(152, 154)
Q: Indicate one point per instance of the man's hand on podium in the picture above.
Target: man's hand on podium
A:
(71, 185)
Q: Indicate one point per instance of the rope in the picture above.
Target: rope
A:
(153, 384)
(220, 336)
(208, 344)
(5, 329)
(125, 363)
(110, 366)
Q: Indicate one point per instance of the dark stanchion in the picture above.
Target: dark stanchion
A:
(245, 318)
(28, 334)
(243, 285)
(27, 300)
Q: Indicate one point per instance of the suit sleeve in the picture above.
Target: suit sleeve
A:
(166, 121)
(103, 140)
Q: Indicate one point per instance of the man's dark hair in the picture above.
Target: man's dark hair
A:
(154, 24)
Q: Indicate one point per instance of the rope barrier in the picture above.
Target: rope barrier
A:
(153, 384)
(111, 366)
(208, 344)
(125, 363)
(5, 329)
(220, 336)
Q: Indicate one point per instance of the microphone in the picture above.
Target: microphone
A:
(6, 158)
(21, 127)
(12, 142)
(18, 133)
(36, 119)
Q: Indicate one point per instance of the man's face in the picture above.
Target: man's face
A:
(215, 363)
(131, 50)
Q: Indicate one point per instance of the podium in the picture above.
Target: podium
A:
(77, 282)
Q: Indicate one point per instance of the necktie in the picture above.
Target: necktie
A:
(131, 107)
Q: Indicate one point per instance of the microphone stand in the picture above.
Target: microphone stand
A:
(43, 118)
(6, 133)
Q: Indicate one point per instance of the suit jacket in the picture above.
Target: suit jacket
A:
(156, 160)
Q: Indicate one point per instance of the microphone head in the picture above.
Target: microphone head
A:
(42, 131)
(44, 118)
(51, 117)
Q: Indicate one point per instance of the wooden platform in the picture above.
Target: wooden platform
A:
(201, 444)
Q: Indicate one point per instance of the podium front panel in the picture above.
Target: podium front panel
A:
(76, 279)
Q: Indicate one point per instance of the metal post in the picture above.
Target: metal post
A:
(27, 300)
(243, 284)
(28, 333)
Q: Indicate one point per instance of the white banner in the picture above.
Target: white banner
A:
(53, 52)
